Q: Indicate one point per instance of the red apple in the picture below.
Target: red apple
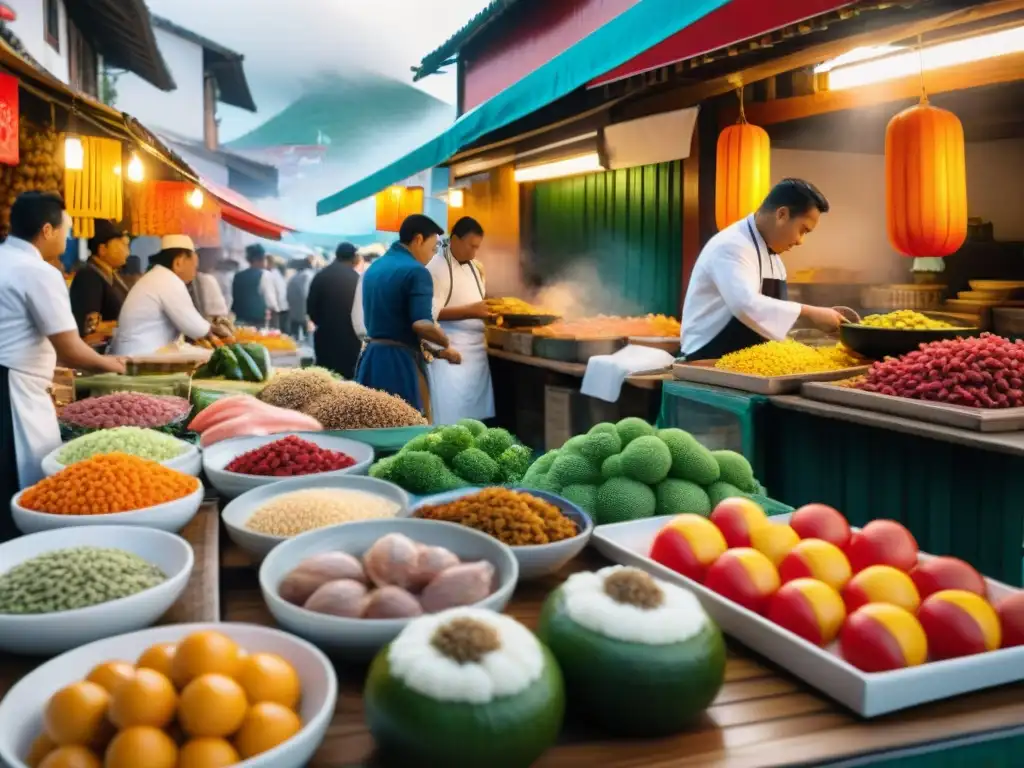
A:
(882, 542)
(1011, 619)
(820, 521)
(939, 573)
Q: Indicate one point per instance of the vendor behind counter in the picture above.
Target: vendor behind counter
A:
(98, 290)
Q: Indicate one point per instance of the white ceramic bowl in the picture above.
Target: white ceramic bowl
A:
(21, 711)
(189, 462)
(172, 516)
(360, 639)
(237, 513)
(535, 560)
(230, 484)
(45, 634)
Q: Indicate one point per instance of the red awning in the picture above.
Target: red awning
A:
(736, 21)
(238, 211)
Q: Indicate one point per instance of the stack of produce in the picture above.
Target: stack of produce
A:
(238, 362)
(457, 456)
(906, 319)
(603, 326)
(107, 484)
(630, 470)
(125, 409)
(289, 457)
(866, 591)
(201, 702)
(982, 372)
(68, 579)
(786, 358)
(398, 578)
(338, 405)
(513, 306)
(275, 341)
(245, 416)
(144, 443)
(514, 518)
(39, 168)
(293, 513)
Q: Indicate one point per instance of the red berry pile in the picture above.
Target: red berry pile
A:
(288, 457)
(982, 372)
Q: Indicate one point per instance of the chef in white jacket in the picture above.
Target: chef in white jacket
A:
(737, 296)
(461, 391)
(159, 308)
(37, 328)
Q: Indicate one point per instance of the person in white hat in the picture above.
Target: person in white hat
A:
(158, 308)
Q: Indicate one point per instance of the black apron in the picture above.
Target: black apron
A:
(737, 335)
(9, 484)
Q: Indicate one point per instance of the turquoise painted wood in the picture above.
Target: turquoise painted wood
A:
(956, 500)
(627, 224)
(995, 752)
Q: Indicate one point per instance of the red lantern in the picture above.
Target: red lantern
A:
(9, 121)
(394, 204)
(925, 182)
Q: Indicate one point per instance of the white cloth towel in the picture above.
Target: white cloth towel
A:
(606, 373)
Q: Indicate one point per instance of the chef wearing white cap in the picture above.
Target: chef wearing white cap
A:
(158, 308)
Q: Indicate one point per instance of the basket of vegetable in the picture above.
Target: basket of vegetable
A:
(238, 362)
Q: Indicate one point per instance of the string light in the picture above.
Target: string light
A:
(74, 153)
(195, 197)
(136, 172)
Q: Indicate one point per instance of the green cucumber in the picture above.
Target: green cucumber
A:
(510, 732)
(250, 371)
(203, 398)
(225, 363)
(260, 356)
(633, 689)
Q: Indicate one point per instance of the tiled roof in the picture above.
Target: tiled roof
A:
(438, 58)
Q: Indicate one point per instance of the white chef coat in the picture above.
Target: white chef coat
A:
(280, 286)
(156, 311)
(358, 321)
(725, 284)
(34, 305)
(460, 391)
(213, 301)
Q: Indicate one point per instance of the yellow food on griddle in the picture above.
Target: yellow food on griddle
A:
(905, 319)
(510, 305)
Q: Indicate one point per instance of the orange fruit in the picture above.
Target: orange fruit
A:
(268, 677)
(110, 674)
(148, 698)
(204, 653)
(76, 714)
(207, 753)
(41, 747)
(158, 657)
(212, 705)
(71, 757)
(266, 725)
(142, 746)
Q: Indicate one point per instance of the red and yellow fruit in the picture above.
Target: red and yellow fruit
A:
(1011, 619)
(688, 544)
(736, 518)
(816, 559)
(820, 521)
(882, 542)
(808, 608)
(879, 637)
(959, 623)
(744, 576)
(939, 573)
(881, 584)
(774, 541)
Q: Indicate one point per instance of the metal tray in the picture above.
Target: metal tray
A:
(869, 695)
(704, 372)
(946, 414)
(575, 350)
(519, 342)
(528, 321)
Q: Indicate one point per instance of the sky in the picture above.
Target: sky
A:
(286, 43)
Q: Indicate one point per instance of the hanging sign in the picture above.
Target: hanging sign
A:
(9, 154)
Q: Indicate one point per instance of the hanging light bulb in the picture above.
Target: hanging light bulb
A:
(117, 170)
(195, 197)
(74, 153)
(135, 170)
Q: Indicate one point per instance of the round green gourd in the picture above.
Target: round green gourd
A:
(633, 689)
(412, 729)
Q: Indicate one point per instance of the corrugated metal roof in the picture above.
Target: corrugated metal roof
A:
(438, 58)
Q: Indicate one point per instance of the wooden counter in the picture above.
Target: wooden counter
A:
(650, 381)
(762, 717)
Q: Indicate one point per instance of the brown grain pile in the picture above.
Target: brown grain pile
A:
(514, 518)
(347, 405)
(295, 388)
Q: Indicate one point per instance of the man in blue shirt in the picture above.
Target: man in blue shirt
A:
(398, 296)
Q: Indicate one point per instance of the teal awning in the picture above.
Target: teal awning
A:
(630, 33)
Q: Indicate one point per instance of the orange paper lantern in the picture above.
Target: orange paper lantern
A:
(162, 208)
(743, 172)
(394, 204)
(925, 182)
